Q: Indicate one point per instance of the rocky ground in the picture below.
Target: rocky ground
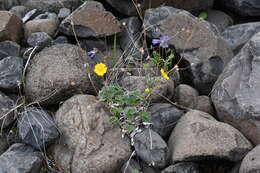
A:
(202, 98)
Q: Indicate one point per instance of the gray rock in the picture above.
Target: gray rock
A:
(19, 11)
(11, 27)
(61, 40)
(105, 24)
(50, 5)
(151, 148)
(220, 19)
(37, 128)
(47, 15)
(162, 88)
(57, 73)
(198, 135)
(10, 48)
(194, 37)
(10, 3)
(164, 118)
(131, 38)
(90, 143)
(243, 7)
(235, 168)
(238, 35)
(39, 39)
(236, 95)
(3, 144)
(91, 43)
(124, 6)
(63, 13)
(185, 167)
(251, 162)
(130, 166)
(11, 69)
(30, 15)
(6, 106)
(204, 104)
(186, 96)
(20, 158)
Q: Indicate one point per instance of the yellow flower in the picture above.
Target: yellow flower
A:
(147, 90)
(100, 69)
(164, 74)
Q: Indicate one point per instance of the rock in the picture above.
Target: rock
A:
(48, 26)
(220, 19)
(19, 11)
(131, 39)
(63, 13)
(183, 167)
(238, 35)
(30, 15)
(164, 118)
(186, 96)
(236, 95)
(105, 24)
(131, 166)
(151, 148)
(198, 136)
(40, 39)
(37, 128)
(3, 145)
(10, 27)
(20, 158)
(243, 7)
(57, 73)
(88, 136)
(10, 3)
(235, 168)
(2, 5)
(204, 104)
(11, 69)
(6, 106)
(162, 88)
(61, 40)
(209, 45)
(89, 44)
(51, 5)
(251, 162)
(10, 48)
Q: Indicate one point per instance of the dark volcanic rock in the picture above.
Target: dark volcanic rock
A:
(236, 93)
(90, 20)
(36, 128)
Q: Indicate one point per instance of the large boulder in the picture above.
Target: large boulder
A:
(58, 72)
(11, 27)
(50, 5)
(20, 158)
(236, 93)
(198, 136)
(251, 162)
(90, 20)
(198, 41)
(238, 35)
(89, 142)
(243, 7)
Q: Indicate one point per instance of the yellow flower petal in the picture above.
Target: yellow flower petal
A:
(147, 90)
(164, 74)
(100, 69)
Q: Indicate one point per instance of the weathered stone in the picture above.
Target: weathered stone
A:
(81, 21)
(186, 96)
(61, 40)
(185, 167)
(50, 5)
(90, 143)
(19, 11)
(251, 162)
(37, 128)
(220, 19)
(10, 27)
(30, 15)
(236, 93)
(10, 48)
(198, 135)
(11, 69)
(131, 166)
(39, 39)
(243, 7)
(3, 144)
(204, 103)
(57, 73)
(164, 118)
(162, 88)
(6, 106)
(151, 148)
(238, 35)
(63, 13)
(20, 158)
(48, 26)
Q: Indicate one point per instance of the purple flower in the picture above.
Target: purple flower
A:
(163, 41)
(92, 53)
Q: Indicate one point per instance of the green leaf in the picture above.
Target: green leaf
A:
(130, 113)
(203, 15)
(145, 116)
(114, 120)
(135, 171)
(129, 127)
